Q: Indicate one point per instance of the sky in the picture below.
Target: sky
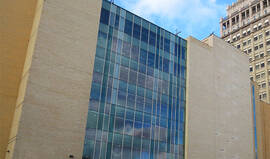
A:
(198, 18)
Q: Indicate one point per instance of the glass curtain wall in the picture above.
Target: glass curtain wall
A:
(137, 99)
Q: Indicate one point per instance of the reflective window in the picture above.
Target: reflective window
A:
(136, 31)
(152, 39)
(144, 36)
(137, 99)
(104, 17)
(128, 27)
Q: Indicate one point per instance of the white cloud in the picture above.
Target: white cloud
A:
(186, 15)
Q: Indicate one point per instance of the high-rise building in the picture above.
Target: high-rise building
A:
(89, 79)
(246, 26)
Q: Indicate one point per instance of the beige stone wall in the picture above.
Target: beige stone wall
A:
(263, 129)
(219, 112)
(259, 121)
(267, 130)
(54, 109)
(17, 20)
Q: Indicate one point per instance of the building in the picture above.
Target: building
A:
(88, 79)
(137, 100)
(219, 121)
(261, 118)
(247, 28)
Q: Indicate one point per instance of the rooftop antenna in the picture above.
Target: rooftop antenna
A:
(177, 32)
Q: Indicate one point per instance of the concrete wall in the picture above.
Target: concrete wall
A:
(51, 118)
(267, 130)
(263, 128)
(18, 20)
(259, 121)
(219, 112)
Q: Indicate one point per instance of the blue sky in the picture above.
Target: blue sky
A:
(197, 18)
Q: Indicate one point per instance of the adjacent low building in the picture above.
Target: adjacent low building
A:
(89, 79)
(219, 121)
(261, 118)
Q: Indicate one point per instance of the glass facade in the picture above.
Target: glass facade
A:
(137, 99)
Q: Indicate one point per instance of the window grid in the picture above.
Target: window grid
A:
(142, 117)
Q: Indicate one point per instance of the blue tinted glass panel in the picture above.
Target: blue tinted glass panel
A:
(136, 31)
(167, 45)
(137, 98)
(128, 27)
(152, 39)
(144, 36)
(104, 17)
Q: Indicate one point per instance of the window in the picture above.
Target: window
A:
(99, 65)
(167, 45)
(152, 38)
(258, 77)
(243, 15)
(268, 52)
(144, 36)
(136, 31)
(253, 9)
(267, 33)
(255, 28)
(261, 55)
(257, 66)
(249, 50)
(250, 69)
(261, 46)
(268, 42)
(233, 21)
(260, 26)
(257, 57)
(263, 85)
(224, 26)
(238, 46)
(128, 27)
(234, 38)
(95, 91)
(268, 62)
(104, 17)
(258, 7)
(256, 48)
(255, 38)
(262, 65)
(264, 3)
(260, 36)
(238, 37)
(266, 23)
(251, 78)
(245, 51)
(244, 43)
(264, 96)
(249, 41)
(250, 59)
(263, 75)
